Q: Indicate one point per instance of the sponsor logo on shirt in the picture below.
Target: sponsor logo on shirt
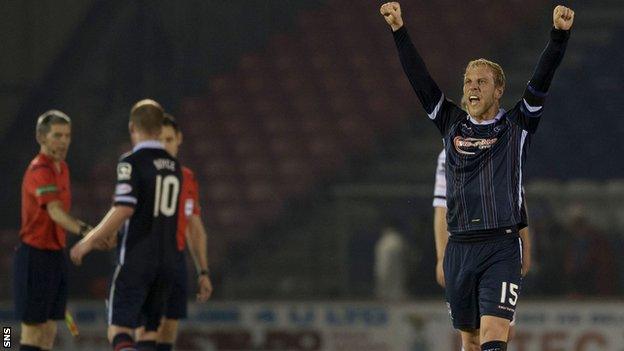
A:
(124, 171)
(123, 189)
(469, 146)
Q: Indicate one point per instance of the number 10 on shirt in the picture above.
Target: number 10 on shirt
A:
(166, 197)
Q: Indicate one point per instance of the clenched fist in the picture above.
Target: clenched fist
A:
(392, 14)
(563, 17)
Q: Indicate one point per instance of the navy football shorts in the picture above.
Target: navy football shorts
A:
(176, 304)
(39, 284)
(138, 294)
(482, 278)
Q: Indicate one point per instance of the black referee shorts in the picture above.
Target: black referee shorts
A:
(39, 284)
(177, 301)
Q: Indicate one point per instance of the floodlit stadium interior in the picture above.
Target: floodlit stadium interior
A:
(309, 146)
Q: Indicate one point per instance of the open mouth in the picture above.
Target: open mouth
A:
(473, 99)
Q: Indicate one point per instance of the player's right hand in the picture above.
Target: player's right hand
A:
(107, 243)
(79, 251)
(440, 273)
(392, 14)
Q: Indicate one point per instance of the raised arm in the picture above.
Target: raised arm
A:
(563, 18)
(537, 89)
(440, 110)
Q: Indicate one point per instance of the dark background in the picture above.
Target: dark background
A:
(306, 137)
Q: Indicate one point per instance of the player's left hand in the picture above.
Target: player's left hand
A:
(79, 251)
(563, 17)
(392, 14)
(204, 287)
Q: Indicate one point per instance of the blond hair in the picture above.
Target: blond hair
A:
(147, 115)
(497, 70)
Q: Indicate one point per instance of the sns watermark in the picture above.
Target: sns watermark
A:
(6, 337)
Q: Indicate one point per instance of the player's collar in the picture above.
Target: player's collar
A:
(498, 116)
(148, 144)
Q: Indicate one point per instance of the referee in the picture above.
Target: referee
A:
(40, 267)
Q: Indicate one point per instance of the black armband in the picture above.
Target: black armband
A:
(205, 272)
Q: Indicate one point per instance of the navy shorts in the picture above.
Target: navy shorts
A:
(138, 294)
(39, 284)
(177, 301)
(482, 278)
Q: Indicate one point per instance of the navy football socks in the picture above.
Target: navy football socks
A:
(164, 347)
(123, 342)
(29, 348)
(146, 345)
(494, 346)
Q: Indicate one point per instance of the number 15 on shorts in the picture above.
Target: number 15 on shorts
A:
(513, 292)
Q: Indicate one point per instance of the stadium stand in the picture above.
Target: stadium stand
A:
(275, 128)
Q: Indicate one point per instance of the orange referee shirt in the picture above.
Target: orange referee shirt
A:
(188, 204)
(41, 185)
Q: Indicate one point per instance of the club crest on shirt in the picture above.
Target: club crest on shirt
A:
(466, 129)
(124, 171)
(470, 146)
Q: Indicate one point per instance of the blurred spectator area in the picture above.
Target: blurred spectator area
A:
(577, 230)
(282, 109)
(316, 96)
(290, 114)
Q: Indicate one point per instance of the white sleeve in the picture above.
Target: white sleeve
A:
(439, 192)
